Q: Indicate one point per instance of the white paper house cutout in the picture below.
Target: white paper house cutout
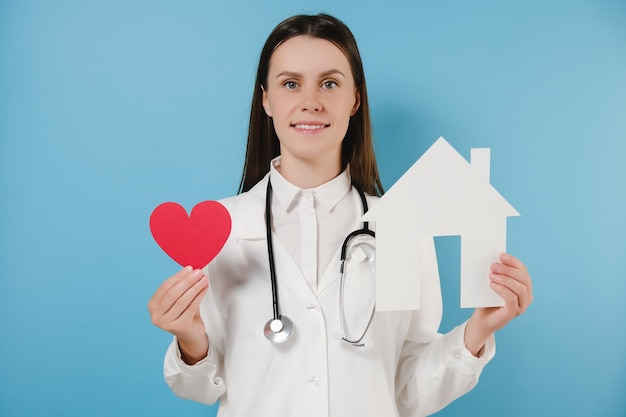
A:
(440, 195)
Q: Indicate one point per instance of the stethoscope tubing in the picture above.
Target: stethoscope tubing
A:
(280, 328)
(270, 249)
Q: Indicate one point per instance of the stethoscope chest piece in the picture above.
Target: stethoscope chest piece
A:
(278, 330)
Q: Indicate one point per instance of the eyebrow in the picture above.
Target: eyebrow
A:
(298, 75)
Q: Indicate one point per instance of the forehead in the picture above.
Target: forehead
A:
(306, 54)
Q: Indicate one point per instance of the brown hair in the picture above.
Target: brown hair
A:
(357, 147)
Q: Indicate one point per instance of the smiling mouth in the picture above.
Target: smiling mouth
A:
(309, 126)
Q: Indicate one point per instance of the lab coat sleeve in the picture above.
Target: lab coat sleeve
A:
(435, 369)
(199, 382)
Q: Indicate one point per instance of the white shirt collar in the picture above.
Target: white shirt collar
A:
(327, 195)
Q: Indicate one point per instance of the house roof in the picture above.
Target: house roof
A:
(442, 190)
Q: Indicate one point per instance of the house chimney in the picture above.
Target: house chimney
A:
(480, 162)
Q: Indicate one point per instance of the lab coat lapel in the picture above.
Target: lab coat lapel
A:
(288, 274)
(358, 256)
(332, 273)
(251, 235)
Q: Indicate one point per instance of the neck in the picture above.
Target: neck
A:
(308, 174)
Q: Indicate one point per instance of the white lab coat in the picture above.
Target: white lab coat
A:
(405, 368)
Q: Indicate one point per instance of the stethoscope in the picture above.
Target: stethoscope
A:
(280, 328)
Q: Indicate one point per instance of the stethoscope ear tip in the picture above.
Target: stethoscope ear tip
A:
(278, 330)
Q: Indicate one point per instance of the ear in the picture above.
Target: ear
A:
(266, 105)
(357, 102)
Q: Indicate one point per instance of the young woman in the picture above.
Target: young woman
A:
(309, 174)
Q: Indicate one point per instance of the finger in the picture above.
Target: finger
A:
(511, 301)
(193, 308)
(522, 293)
(169, 283)
(172, 289)
(179, 289)
(520, 274)
(185, 302)
(512, 261)
(509, 271)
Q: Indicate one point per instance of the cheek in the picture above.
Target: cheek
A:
(278, 106)
(280, 124)
(348, 108)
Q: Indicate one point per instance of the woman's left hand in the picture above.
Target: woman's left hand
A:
(510, 279)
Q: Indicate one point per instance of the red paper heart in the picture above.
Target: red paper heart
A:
(191, 240)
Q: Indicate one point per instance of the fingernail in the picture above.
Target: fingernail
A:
(198, 273)
(505, 257)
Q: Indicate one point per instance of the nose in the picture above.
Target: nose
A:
(311, 100)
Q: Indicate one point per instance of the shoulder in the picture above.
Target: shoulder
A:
(254, 197)
(371, 200)
(247, 211)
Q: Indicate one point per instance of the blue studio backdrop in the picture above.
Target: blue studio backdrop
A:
(109, 108)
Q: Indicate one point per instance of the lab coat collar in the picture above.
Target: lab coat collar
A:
(249, 230)
(327, 195)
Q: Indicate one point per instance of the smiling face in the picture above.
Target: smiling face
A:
(310, 95)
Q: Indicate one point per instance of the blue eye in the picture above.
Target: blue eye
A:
(291, 85)
(329, 85)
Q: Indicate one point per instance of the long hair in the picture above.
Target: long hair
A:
(357, 147)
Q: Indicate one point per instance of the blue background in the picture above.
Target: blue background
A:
(109, 108)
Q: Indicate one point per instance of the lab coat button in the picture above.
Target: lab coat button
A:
(315, 381)
(456, 356)
(313, 308)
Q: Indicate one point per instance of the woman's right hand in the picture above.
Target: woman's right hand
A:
(175, 308)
